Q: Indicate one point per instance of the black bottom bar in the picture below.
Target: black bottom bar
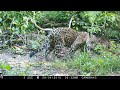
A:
(60, 77)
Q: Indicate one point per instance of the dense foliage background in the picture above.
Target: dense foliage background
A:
(18, 34)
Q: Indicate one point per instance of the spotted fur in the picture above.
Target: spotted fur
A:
(59, 38)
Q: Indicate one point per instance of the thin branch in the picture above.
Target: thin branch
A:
(70, 22)
(44, 29)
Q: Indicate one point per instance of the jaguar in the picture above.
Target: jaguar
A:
(59, 38)
(65, 37)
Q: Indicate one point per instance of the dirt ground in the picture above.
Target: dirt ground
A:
(37, 66)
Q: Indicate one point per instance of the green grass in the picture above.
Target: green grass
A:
(5, 66)
(83, 64)
(90, 66)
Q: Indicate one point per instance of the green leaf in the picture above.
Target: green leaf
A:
(8, 67)
(35, 44)
(88, 74)
(100, 61)
(0, 19)
(0, 31)
(22, 74)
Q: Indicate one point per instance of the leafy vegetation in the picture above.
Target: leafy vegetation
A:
(18, 35)
(90, 66)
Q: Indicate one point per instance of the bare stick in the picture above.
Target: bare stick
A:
(44, 29)
(70, 21)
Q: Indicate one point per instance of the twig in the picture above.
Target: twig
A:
(70, 21)
(44, 29)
